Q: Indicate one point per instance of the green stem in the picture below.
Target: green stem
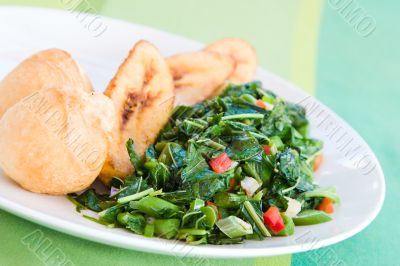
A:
(135, 196)
(256, 219)
(243, 116)
(257, 135)
(191, 231)
(194, 124)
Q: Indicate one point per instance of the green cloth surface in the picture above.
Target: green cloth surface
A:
(305, 41)
(359, 79)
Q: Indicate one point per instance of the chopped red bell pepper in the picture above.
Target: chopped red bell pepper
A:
(267, 149)
(221, 163)
(326, 205)
(261, 104)
(208, 203)
(318, 161)
(273, 219)
(232, 184)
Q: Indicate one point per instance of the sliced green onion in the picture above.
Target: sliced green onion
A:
(136, 196)
(166, 228)
(198, 125)
(257, 220)
(309, 217)
(289, 226)
(192, 231)
(210, 216)
(196, 204)
(328, 192)
(188, 216)
(258, 135)
(259, 195)
(248, 98)
(157, 208)
(191, 240)
(234, 227)
(243, 116)
(211, 143)
(156, 193)
(149, 230)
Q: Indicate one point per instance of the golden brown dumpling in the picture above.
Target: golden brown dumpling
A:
(55, 141)
(51, 68)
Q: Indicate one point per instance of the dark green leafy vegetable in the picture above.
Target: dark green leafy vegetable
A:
(134, 222)
(182, 189)
(229, 200)
(135, 159)
(87, 199)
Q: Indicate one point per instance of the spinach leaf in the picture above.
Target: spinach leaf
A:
(278, 122)
(243, 147)
(159, 173)
(133, 185)
(90, 200)
(172, 155)
(196, 166)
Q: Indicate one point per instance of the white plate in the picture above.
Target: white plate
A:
(349, 162)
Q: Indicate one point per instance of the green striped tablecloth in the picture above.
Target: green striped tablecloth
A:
(350, 63)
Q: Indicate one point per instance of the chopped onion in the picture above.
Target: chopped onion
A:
(233, 227)
(250, 185)
(233, 165)
(269, 106)
(294, 207)
(113, 191)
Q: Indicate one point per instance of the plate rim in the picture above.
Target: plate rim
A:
(108, 238)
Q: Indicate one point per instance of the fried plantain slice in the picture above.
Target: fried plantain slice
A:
(242, 53)
(143, 95)
(197, 75)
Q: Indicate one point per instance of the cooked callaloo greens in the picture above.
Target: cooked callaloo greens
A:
(239, 166)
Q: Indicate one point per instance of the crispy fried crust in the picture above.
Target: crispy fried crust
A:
(143, 95)
(51, 68)
(197, 75)
(55, 141)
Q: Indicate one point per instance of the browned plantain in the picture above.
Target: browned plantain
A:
(242, 53)
(143, 96)
(197, 75)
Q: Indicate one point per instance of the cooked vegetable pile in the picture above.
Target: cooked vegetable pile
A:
(239, 166)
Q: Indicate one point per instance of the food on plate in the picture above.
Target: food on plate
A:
(142, 92)
(204, 74)
(53, 68)
(243, 55)
(55, 141)
(220, 172)
(231, 162)
(197, 75)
